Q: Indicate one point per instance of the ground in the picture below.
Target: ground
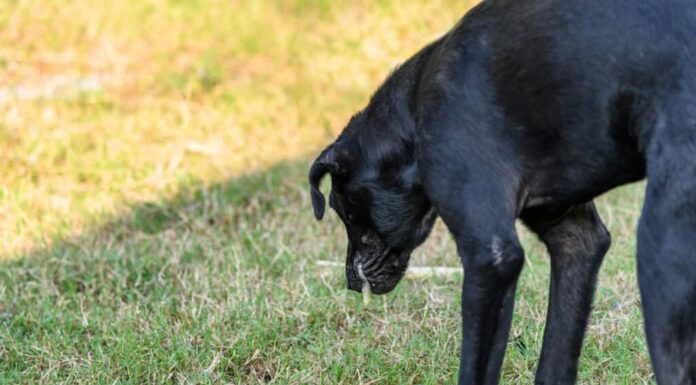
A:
(155, 225)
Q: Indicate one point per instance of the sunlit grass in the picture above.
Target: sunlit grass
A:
(156, 228)
(199, 90)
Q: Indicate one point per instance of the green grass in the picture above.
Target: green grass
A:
(159, 230)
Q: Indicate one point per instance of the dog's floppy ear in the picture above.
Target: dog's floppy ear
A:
(327, 162)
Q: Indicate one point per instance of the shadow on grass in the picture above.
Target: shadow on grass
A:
(164, 293)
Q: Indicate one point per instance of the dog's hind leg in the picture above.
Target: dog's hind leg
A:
(667, 249)
(577, 241)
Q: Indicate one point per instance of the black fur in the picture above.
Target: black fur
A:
(529, 109)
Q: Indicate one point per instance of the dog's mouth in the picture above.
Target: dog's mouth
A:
(377, 277)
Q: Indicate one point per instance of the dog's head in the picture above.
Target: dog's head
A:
(376, 191)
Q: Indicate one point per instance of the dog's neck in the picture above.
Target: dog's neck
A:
(387, 128)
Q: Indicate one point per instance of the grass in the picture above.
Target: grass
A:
(157, 229)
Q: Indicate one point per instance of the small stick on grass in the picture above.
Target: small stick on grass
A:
(413, 272)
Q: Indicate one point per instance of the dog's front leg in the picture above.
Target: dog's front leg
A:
(492, 259)
(470, 175)
(577, 241)
(491, 270)
(487, 304)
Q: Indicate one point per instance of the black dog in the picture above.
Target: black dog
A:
(529, 109)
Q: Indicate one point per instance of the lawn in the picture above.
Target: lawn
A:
(155, 225)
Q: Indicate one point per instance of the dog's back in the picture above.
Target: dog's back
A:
(580, 81)
(546, 51)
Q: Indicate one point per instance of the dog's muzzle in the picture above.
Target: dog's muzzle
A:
(382, 271)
